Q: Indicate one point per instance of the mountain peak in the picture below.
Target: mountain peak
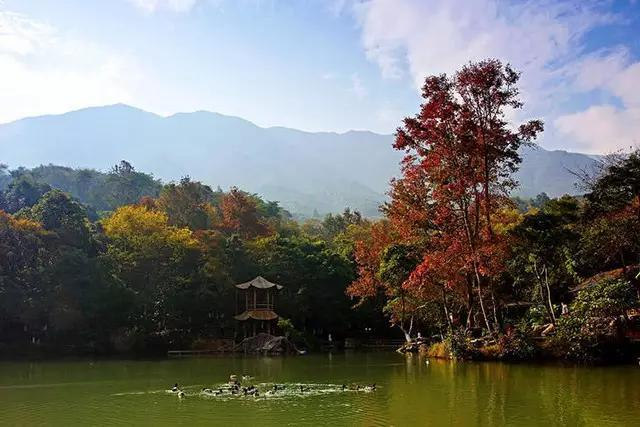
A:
(307, 171)
(119, 107)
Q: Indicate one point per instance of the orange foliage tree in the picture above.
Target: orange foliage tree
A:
(240, 214)
(461, 153)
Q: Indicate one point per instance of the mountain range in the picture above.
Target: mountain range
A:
(309, 173)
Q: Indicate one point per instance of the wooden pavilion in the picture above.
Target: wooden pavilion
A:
(258, 296)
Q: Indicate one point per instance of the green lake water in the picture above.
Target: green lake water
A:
(408, 392)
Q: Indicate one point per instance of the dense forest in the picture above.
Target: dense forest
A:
(102, 263)
(94, 262)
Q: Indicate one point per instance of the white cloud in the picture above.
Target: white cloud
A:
(602, 128)
(594, 71)
(20, 36)
(611, 71)
(431, 37)
(151, 6)
(605, 127)
(543, 39)
(44, 72)
(626, 85)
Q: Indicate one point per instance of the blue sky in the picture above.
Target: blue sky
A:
(330, 65)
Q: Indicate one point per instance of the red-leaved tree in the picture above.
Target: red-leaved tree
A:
(461, 153)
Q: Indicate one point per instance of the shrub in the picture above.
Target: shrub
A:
(592, 329)
(490, 351)
(289, 330)
(440, 350)
(535, 315)
(459, 345)
(515, 346)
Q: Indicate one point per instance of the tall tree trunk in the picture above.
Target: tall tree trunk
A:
(475, 265)
(405, 331)
(495, 312)
(469, 302)
(487, 201)
(469, 317)
(484, 312)
(545, 300)
(446, 309)
(407, 334)
(485, 184)
(546, 282)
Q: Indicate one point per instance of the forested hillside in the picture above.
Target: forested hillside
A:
(97, 190)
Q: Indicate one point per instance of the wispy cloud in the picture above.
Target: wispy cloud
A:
(611, 125)
(543, 39)
(602, 128)
(42, 71)
(21, 36)
(440, 35)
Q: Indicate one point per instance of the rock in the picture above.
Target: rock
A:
(268, 344)
(548, 330)
(537, 330)
(410, 347)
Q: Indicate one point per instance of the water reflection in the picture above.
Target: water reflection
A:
(463, 393)
(409, 392)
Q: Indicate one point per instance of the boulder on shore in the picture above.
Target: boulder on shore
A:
(267, 344)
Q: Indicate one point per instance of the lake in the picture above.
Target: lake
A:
(408, 392)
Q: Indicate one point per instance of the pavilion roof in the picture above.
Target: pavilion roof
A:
(260, 283)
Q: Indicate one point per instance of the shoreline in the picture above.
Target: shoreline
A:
(539, 361)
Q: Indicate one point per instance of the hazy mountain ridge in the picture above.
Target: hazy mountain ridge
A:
(306, 171)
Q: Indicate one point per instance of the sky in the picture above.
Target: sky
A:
(324, 65)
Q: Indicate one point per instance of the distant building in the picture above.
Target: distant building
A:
(258, 297)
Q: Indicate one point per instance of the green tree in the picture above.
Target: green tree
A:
(188, 204)
(315, 279)
(23, 192)
(125, 186)
(25, 250)
(58, 212)
(153, 259)
(545, 249)
(593, 329)
(75, 272)
(396, 264)
(617, 186)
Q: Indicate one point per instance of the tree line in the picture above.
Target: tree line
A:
(484, 273)
(129, 264)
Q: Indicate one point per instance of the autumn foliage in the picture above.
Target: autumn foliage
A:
(240, 214)
(460, 154)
